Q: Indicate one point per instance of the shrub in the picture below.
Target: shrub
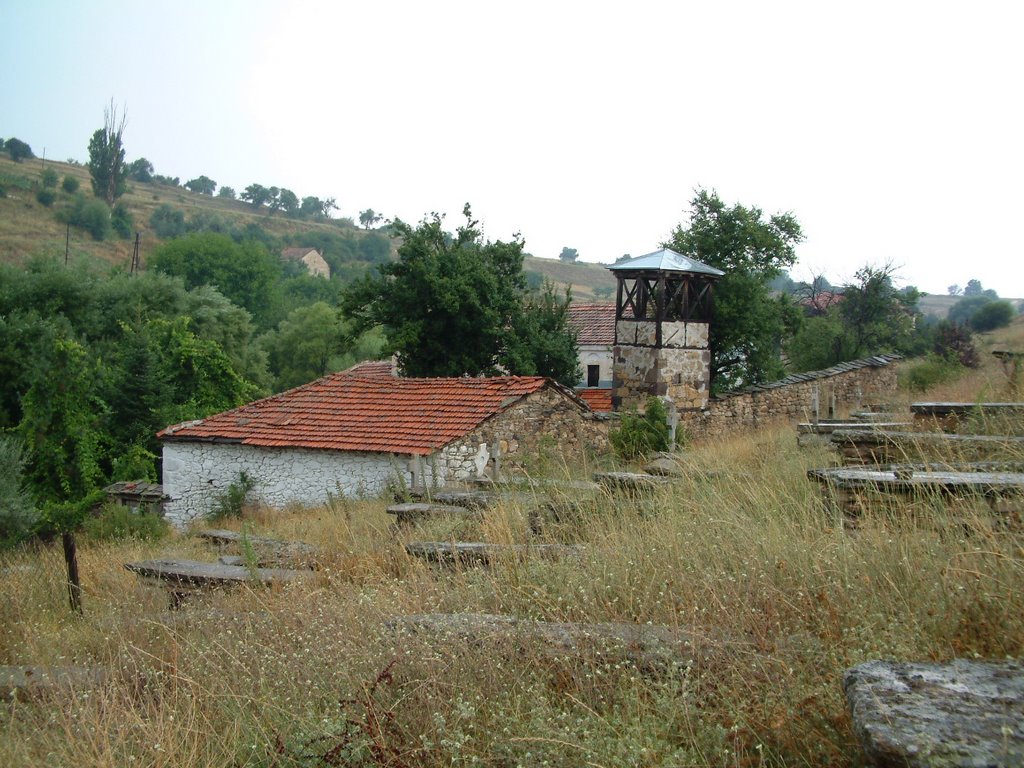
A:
(46, 197)
(931, 371)
(953, 342)
(995, 314)
(49, 178)
(233, 500)
(641, 434)
(167, 222)
(122, 221)
(115, 522)
(18, 149)
(70, 185)
(90, 214)
(18, 515)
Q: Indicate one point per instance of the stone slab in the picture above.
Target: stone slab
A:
(196, 574)
(413, 511)
(961, 714)
(631, 482)
(31, 682)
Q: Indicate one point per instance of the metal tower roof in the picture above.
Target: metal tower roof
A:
(667, 260)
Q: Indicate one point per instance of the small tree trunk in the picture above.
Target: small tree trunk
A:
(71, 559)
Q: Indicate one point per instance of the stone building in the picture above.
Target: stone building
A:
(314, 260)
(662, 322)
(355, 433)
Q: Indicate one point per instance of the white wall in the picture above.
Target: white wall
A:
(195, 474)
(596, 354)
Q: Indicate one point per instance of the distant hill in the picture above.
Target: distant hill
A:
(27, 227)
(939, 306)
(589, 281)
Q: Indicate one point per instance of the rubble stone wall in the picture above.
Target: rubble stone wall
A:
(678, 368)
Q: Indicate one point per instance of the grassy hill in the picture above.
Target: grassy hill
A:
(27, 227)
(586, 280)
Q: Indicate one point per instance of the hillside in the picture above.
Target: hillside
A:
(588, 281)
(27, 227)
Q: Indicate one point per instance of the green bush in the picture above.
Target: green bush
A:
(641, 434)
(122, 221)
(931, 371)
(167, 222)
(18, 515)
(995, 314)
(233, 500)
(49, 178)
(70, 185)
(89, 214)
(115, 522)
(46, 197)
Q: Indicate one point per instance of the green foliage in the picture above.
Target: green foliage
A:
(640, 435)
(48, 178)
(46, 197)
(70, 185)
(374, 248)
(933, 370)
(544, 343)
(568, 255)
(140, 170)
(257, 195)
(246, 273)
(18, 515)
(877, 316)
(369, 218)
(167, 222)
(304, 344)
(116, 522)
(18, 150)
(89, 214)
(451, 305)
(748, 324)
(227, 193)
(106, 158)
(57, 517)
(820, 343)
(122, 221)
(953, 342)
(203, 185)
(135, 464)
(994, 314)
(231, 503)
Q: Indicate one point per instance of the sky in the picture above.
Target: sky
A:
(893, 131)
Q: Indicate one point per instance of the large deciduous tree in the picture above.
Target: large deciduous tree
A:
(452, 305)
(748, 323)
(106, 157)
(203, 185)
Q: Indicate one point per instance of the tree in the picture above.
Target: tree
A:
(748, 324)
(973, 288)
(17, 513)
(369, 217)
(302, 347)
(167, 222)
(202, 185)
(992, 315)
(227, 192)
(49, 178)
(568, 254)
(544, 343)
(451, 305)
(140, 170)
(90, 214)
(288, 202)
(106, 157)
(877, 316)
(955, 290)
(18, 150)
(256, 194)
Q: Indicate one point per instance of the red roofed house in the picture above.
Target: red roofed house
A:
(595, 330)
(353, 433)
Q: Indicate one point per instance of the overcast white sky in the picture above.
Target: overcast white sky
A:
(894, 131)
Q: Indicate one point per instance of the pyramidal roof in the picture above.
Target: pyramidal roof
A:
(667, 260)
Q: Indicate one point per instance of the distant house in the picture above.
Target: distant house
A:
(595, 328)
(311, 257)
(359, 431)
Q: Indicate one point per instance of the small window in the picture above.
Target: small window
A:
(593, 375)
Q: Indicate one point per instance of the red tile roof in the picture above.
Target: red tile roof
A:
(595, 323)
(351, 412)
(373, 368)
(599, 400)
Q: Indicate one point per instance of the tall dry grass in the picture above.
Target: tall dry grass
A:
(741, 554)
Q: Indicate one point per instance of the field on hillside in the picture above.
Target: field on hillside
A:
(27, 227)
(768, 598)
(581, 276)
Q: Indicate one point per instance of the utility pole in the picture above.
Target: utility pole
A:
(67, 244)
(135, 257)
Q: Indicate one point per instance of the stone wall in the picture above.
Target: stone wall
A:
(851, 384)
(195, 474)
(678, 368)
(547, 419)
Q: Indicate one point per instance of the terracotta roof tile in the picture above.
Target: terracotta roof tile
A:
(595, 323)
(599, 400)
(348, 411)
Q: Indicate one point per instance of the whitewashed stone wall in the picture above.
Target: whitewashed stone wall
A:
(599, 355)
(195, 474)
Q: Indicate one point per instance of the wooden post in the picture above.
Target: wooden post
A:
(71, 560)
(815, 405)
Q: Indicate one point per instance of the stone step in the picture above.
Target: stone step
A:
(269, 552)
(415, 511)
(630, 482)
(196, 574)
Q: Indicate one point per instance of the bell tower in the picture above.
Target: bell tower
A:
(662, 324)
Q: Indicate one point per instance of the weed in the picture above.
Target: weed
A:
(232, 501)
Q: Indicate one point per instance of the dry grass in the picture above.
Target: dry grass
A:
(741, 553)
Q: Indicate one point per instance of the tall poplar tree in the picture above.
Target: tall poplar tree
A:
(106, 157)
